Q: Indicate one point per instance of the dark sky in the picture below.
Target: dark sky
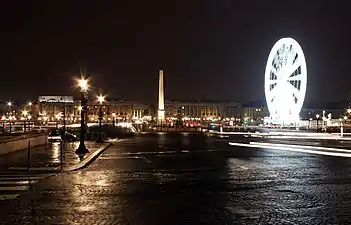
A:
(216, 48)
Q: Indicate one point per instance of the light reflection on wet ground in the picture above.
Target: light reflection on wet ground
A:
(177, 179)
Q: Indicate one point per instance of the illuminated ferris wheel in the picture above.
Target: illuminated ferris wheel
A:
(285, 81)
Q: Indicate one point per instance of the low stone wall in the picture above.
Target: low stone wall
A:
(21, 143)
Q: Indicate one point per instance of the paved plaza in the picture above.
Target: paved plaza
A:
(190, 179)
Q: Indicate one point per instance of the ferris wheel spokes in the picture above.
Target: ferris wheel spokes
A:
(295, 78)
(285, 80)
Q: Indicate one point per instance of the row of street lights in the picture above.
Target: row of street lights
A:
(329, 118)
(25, 115)
(83, 84)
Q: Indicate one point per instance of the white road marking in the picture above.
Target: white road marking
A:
(24, 168)
(15, 188)
(20, 178)
(8, 196)
(19, 182)
(11, 184)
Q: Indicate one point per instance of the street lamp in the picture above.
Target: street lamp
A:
(9, 104)
(58, 118)
(30, 104)
(341, 128)
(3, 118)
(24, 113)
(82, 83)
(100, 99)
(113, 118)
(29, 124)
(323, 119)
(317, 116)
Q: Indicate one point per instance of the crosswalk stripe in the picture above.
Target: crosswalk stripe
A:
(15, 174)
(34, 168)
(18, 182)
(14, 188)
(21, 178)
(12, 184)
(8, 196)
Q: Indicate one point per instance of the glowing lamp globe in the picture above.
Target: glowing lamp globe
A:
(83, 84)
(285, 81)
(101, 99)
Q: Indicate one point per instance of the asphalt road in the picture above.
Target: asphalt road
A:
(178, 179)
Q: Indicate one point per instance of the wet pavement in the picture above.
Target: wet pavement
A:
(46, 156)
(177, 179)
(17, 176)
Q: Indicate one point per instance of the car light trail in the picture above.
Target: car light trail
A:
(303, 146)
(295, 149)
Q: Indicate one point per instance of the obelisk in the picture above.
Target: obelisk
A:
(161, 100)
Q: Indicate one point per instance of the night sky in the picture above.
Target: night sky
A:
(215, 49)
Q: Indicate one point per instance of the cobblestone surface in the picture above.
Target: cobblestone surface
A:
(144, 181)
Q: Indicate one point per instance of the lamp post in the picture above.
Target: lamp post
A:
(341, 128)
(30, 111)
(64, 121)
(24, 113)
(323, 120)
(29, 120)
(9, 104)
(83, 84)
(3, 118)
(58, 118)
(317, 116)
(113, 119)
(101, 99)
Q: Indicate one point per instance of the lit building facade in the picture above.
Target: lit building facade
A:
(52, 108)
(254, 115)
(118, 110)
(203, 110)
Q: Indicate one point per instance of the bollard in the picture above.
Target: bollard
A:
(28, 156)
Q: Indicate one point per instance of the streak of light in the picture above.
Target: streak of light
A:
(304, 146)
(295, 149)
(289, 135)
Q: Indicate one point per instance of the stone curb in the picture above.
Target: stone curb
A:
(88, 159)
